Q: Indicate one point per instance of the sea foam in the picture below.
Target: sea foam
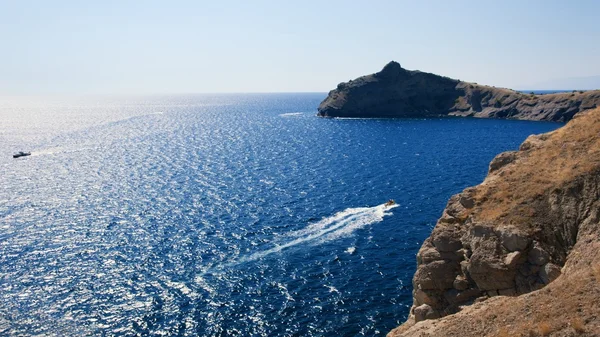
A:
(330, 228)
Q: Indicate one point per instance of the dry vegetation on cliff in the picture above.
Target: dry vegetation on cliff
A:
(519, 254)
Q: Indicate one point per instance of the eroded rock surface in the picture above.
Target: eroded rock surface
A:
(531, 227)
(397, 92)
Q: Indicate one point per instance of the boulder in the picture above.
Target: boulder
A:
(538, 256)
(424, 312)
(549, 272)
(455, 297)
(422, 297)
(487, 268)
(512, 259)
(427, 255)
(502, 160)
(461, 283)
(436, 275)
(446, 241)
(512, 239)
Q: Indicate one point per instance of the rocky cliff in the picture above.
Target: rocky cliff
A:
(397, 92)
(519, 254)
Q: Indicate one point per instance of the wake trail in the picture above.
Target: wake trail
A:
(44, 151)
(291, 114)
(330, 228)
(57, 150)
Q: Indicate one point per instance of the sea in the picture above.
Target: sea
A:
(222, 214)
(546, 92)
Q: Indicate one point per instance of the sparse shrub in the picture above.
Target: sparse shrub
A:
(596, 271)
(544, 328)
(503, 332)
(577, 324)
(581, 91)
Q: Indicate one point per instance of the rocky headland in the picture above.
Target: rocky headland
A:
(519, 254)
(397, 92)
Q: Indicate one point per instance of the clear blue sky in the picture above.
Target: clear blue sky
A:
(144, 47)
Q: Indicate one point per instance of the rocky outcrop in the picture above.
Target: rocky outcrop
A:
(522, 247)
(397, 92)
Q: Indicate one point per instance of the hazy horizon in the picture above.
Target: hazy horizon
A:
(114, 48)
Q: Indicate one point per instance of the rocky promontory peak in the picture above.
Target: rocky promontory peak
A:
(390, 70)
(519, 254)
(398, 92)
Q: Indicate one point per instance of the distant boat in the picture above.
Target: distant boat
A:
(390, 202)
(21, 154)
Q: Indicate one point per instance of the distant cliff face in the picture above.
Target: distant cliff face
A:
(397, 92)
(518, 254)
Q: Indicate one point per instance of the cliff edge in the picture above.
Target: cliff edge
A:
(397, 92)
(519, 254)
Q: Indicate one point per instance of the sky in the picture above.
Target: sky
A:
(163, 47)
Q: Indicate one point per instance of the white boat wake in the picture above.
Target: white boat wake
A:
(330, 228)
(57, 150)
(291, 114)
(339, 225)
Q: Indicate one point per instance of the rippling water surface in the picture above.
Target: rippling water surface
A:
(222, 215)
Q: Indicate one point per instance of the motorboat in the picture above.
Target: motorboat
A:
(390, 202)
(21, 154)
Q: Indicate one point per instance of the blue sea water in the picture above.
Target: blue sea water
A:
(545, 92)
(222, 215)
